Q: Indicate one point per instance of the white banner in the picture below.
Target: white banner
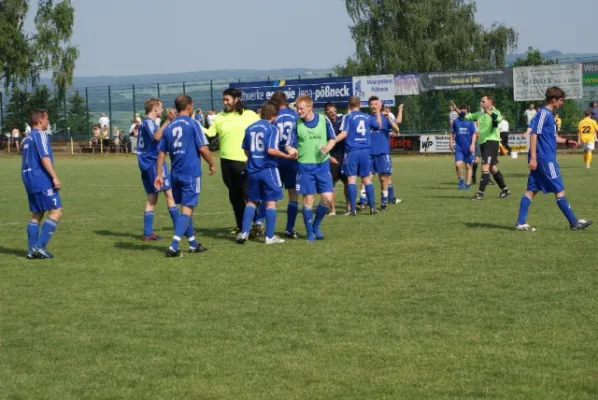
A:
(382, 86)
(434, 144)
(530, 83)
(518, 143)
(407, 84)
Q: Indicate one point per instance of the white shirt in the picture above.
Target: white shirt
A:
(211, 119)
(158, 121)
(529, 115)
(27, 130)
(391, 117)
(104, 122)
(503, 126)
(132, 128)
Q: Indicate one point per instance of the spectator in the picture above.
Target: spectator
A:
(558, 121)
(133, 139)
(15, 137)
(594, 110)
(387, 112)
(530, 113)
(94, 141)
(104, 121)
(503, 128)
(211, 117)
(27, 129)
(137, 118)
(199, 116)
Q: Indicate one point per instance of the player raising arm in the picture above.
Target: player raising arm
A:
(184, 141)
(544, 170)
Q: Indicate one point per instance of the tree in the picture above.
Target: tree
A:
(533, 57)
(422, 35)
(77, 116)
(17, 110)
(24, 56)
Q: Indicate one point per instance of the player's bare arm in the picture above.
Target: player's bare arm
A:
(169, 117)
(47, 163)
(207, 156)
(159, 167)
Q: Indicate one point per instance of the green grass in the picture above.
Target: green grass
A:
(437, 299)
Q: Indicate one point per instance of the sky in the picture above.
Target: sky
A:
(133, 37)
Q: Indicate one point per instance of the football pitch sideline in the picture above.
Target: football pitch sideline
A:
(437, 298)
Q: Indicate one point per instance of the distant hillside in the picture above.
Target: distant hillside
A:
(563, 58)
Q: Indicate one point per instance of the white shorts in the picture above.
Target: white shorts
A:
(587, 145)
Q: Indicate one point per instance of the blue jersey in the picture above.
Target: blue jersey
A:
(35, 147)
(380, 142)
(259, 137)
(182, 139)
(544, 126)
(464, 132)
(339, 149)
(147, 147)
(330, 134)
(358, 126)
(284, 122)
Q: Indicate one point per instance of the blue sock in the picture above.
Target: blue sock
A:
(48, 228)
(270, 222)
(174, 214)
(292, 211)
(523, 210)
(371, 194)
(352, 191)
(321, 212)
(190, 233)
(391, 192)
(308, 218)
(32, 234)
(179, 230)
(566, 209)
(261, 213)
(248, 218)
(148, 223)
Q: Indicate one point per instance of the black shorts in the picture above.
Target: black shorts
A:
(335, 170)
(490, 152)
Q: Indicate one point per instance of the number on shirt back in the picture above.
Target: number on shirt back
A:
(140, 142)
(177, 133)
(257, 141)
(361, 128)
(586, 129)
(284, 129)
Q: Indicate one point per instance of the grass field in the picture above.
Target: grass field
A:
(436, 299)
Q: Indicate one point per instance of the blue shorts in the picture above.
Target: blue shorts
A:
(149, 176)
(185, 190)
(357, 163)
(288, 175)
(546, 178)
(264, 185)
(314, 178)
(381, 164)
(465, 156)
(44, 201)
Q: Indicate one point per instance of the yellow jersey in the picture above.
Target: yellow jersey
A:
(559, 123)
(230, 127)
(588, 128)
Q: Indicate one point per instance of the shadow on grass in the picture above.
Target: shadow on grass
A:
(13, 252)
(486, 225)
(117, 234)
(141, 247)
(456, 197)
(215, 233)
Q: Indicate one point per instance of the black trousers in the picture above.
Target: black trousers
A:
(234, 175)
(504, 138)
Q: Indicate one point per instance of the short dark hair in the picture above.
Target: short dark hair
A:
(554, 93)
(488, 97)
(235, 94)
(279, 98)
(587, 113)
(464, 107)
(182, 102)
(354, 102)
(373, 98)
(269, 110)
(37, 115)
(328, 105)
(593, 104)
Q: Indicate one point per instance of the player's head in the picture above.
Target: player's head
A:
(305, 106)
(330, 111)
(554, 97)
(39, 119)
(153, 107)
(231, 99)
(487, 101)
(587, 113)
(532, 106)
(593, 104)
(280, 99)
(375, 104)
(269, 111)
(184, 105)
(354, 103)
(464, 109)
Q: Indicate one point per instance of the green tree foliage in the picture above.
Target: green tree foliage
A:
(77, 115)
(24, 56)
(17, 110)
(533, 57)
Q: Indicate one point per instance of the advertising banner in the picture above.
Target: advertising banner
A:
(518, 143)
(382, 86)
(590, 81)
(492, 79)
(407, 85)
(530, 83)
(434, 144)
(322, 91)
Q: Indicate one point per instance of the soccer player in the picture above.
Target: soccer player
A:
(489, 138)
(42, 186)
(287, 166)
(463, 142)
(586, 134)
(337, 156)
(544, 169)
(311, 140)
(261, 144)
(184, 141)
(380, 162)
(149, 137)
(356, 131)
